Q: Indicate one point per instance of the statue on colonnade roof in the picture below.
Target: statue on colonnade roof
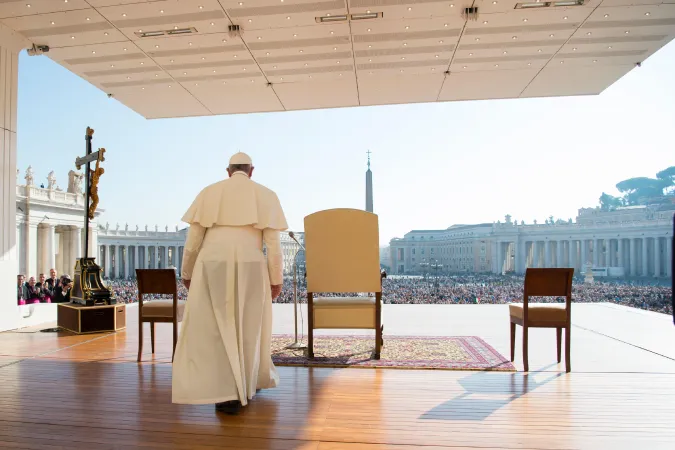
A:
(51, 181)
(29, 176)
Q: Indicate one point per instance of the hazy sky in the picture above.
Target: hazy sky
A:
(434, 165)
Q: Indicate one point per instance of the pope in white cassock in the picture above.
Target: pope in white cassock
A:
(223, 353)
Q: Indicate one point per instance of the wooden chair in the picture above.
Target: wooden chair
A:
(158, 281)
(544, 283)
(343, 256)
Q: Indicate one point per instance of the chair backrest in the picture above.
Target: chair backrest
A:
(343, 251)
(548, 283)
(156, 281)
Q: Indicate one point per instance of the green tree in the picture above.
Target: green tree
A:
(609, 202)
(668, 177)
(639, 190)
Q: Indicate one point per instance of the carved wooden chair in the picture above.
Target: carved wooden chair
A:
(544, 283)
(343, 256)
(158, 281)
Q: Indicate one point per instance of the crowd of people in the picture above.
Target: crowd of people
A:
(54, 289)
(473, 289)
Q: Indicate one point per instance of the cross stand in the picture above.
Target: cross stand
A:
(88, 288)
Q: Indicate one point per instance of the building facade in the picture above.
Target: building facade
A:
(49, 234)
(630, 241)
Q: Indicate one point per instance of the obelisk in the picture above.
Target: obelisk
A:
(369, 186)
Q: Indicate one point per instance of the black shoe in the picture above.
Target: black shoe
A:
(231, 407)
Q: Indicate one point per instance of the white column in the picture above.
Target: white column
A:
(608, 252)
(570, 250)
(620, 253)
(584, 252)
(547, 254)
(633, 257)
(535, 254)
(31, 250)
(42, 251)
(645, 256)
(127, 262)
(657, 256)
(136, 259)
(521, 257)
(9, 62)
(107, 263)
(597, 250)
(560, 254)
(669, 256)
(166, 257)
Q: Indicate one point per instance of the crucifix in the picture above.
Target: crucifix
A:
(88, 288)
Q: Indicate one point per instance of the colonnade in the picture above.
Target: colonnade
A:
(638, 256)
(121, 261)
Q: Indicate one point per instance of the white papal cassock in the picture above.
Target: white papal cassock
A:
(223, 351)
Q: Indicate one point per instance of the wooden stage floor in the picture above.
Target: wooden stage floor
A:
(88, 392)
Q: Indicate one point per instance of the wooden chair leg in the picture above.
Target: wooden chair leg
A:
(513, 341)
(175, 338)
(526, 365)
(152, 336)
(378, 342)
(558, 332)
(140, 339)
(310, 343)
(568, 341)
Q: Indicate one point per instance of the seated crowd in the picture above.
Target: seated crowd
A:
(470, 289)
(462, 289)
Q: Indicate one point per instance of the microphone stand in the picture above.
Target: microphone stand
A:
(296, 345)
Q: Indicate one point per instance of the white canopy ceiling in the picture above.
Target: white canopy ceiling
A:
(286, 58)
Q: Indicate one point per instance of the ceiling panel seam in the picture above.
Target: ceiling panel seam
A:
(452, 58)
(356, 72)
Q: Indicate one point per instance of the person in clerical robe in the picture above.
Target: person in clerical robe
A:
(223, 355)
(46, 294)
(52, 284)
(33, 292)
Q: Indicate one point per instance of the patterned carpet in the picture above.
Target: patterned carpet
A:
(399, 352)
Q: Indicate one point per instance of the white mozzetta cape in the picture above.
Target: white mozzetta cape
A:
(237, 201)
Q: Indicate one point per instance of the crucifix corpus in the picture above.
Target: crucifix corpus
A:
(88, 288)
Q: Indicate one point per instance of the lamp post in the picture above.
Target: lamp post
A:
(424, 265)
(436, 267)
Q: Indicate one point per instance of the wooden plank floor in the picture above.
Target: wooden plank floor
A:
(87, 392)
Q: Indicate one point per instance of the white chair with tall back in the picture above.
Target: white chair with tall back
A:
(343, 256)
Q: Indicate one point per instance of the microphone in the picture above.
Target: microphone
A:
(292, 236)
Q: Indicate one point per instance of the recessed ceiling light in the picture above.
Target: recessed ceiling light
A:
(335, 48)
(561, 62)
(142, 89)
(401, 70)
(140, 31)
(295, 35)
(370, 46)
(524, 20)
(505, 52)
(539, 50)
(370, 60)
(268, 53)
(301, 51)
(338, 62)
(470, 54)
(340, 74)
(235, 56)
(156, 46)
(485, 22)
(169, 85)
(212, 23)
(647, 14)
(306, 64)
(125, 14)
(203, 58)
(433, 69)
(250, 20)
(274, 67)
(440, 42)
(215, 71)
(332, 32)
(72, 37)
(565, 18)
(407, 27)
(161, 11)
(252, 81)
(574, 49)
(496, 65)
(93, 52)
(626, 31)
(224, 41)
(112, 65)
(241, 3)
(409, 8)
(403, 57)
(529, 64)
(52, 22)
(494, 3)
(196, 84)
(259, 37)
(142, 63)
(105, 34)
(171, 60)
(201, 7)
(281, 79)
(463, 67)
(128, 78)
(88, 18)
(452, 5)
(588, 34)
(405, 44)
(184, 73)
(189, 43)
(551, 35)
(514, 37)
(436, 56)
(445, 24)
(28, 5)
(595, 60)
(124, 49)
(288, 17)
(610, 47)
(244, 69)
(477, 39)
(156, 75)
(606, 16)
(368, 29)
(175, 27)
